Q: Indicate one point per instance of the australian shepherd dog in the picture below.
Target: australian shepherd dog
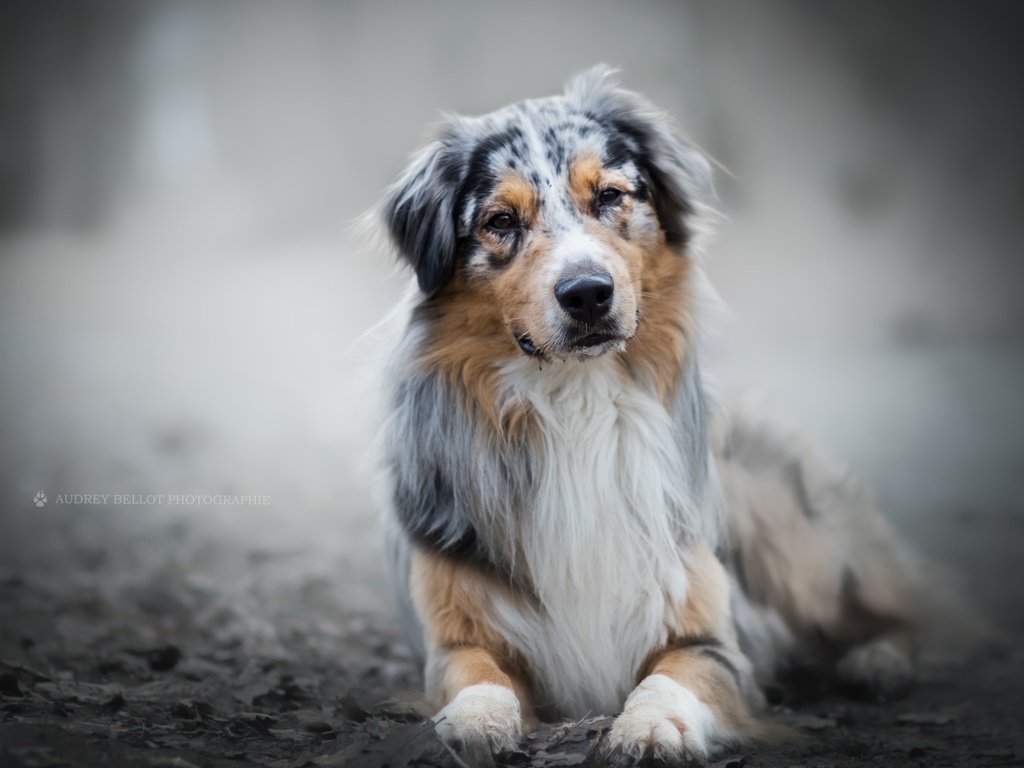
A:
(577, 529)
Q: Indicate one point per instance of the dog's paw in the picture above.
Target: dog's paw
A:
(480, 721)
(878, 668)
(662, 720)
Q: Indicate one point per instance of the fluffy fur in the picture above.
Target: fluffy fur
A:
(574, 533)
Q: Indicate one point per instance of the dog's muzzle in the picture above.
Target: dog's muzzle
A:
(586, 295)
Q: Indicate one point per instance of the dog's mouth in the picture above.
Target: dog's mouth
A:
(580, 341)
(590, 340)
(588, 344)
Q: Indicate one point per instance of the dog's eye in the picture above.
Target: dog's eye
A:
(609, 196)
(502, 222)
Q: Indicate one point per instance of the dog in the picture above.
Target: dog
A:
(577, 528)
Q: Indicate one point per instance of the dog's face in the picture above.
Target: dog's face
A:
(546, 212)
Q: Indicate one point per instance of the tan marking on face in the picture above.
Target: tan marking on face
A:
(515, 193)
(666, 330)
(470, 342)
(624, 260)
(649, 276)
(585, 175)
(660, 278)
(522, 292)
(452, 599)
(478, 319)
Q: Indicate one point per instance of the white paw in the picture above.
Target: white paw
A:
(663, 720)
(483, 716)
(878, 667)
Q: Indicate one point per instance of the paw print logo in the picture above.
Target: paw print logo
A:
(40, 499)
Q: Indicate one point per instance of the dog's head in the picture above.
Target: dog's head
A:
(547, 210)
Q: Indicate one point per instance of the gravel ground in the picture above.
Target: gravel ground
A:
(168, 648)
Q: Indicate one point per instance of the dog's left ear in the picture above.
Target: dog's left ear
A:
(677, 174)
(419, 210)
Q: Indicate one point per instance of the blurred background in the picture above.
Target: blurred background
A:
(182, 292)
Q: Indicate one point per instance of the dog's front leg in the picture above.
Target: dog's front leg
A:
(686, 707)
(471, 672)
(484, 711)
(696, 694)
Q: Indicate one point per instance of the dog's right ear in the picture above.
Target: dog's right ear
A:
(419, 210)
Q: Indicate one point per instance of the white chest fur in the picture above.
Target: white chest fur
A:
(599, 539)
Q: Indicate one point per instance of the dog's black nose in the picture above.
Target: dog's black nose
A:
(586, 297)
